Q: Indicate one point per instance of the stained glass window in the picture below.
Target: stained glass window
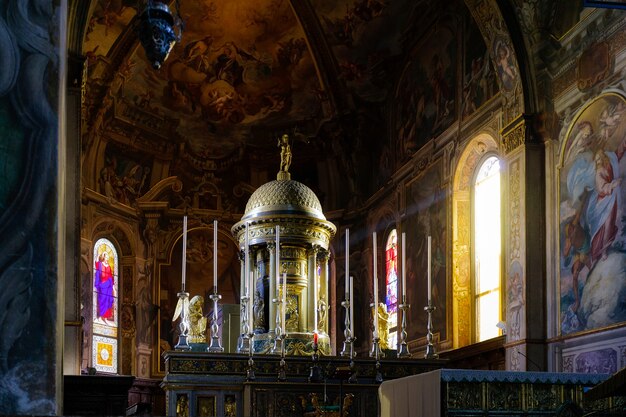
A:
(391, 281)
(105, 307)
(487, 249)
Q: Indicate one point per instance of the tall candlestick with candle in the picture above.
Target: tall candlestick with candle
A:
(216, 343)
(347, 304)
(246, 301)
(430, 348)
(375, 336)
(182, 308)
(403, 349)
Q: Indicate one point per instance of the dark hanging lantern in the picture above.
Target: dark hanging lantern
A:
(157, 32)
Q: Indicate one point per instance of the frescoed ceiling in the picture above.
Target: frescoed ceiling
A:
(243, 73)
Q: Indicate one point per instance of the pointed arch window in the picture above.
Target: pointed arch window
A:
(105, 307)
(391, 282)
(487, 249)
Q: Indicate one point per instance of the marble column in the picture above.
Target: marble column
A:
(34, 218)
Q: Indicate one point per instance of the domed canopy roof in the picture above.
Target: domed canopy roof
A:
(284, 196)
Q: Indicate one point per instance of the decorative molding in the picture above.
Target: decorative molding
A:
(515, 136)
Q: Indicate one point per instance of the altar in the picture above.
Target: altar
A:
(462, 392)
(201, 384)
(285, 364)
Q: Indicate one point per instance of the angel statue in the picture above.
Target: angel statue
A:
(182, 311)
(197, 321)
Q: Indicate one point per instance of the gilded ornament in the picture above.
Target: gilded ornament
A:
(197, 321)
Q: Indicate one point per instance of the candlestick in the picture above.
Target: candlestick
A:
(430, 348)
(348, 343)
(375, 287)
(315, 374)
(429, 279)
(403, 264)
(216, 342)
(403, 348)
(215, 256)
(184, 252)
(347, 272)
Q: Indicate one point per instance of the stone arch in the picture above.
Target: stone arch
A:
(468, 161)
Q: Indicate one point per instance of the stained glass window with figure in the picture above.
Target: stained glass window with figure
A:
(105, 307)
(391, 281)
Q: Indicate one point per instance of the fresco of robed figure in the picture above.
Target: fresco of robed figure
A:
(592, 216)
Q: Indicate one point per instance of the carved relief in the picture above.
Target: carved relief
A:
(515, 209)
(516, 302)
(515, 137)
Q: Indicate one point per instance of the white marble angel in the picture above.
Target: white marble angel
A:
(182, 311)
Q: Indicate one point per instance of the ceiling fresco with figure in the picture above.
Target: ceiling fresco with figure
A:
(244, 64)
(327, 72)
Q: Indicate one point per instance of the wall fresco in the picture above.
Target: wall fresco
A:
(426, 208)
(592, 217)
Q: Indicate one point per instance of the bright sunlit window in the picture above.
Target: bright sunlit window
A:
(487, 249)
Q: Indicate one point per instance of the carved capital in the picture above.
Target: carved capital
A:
(517, 133)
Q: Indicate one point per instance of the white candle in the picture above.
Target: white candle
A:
(403, 267)
(215, 256)
(284, 302)
(347, 263)
(351, 306)
(246, 262)
(429, 278)
(184, 251)
(375, 287)
(277, 258)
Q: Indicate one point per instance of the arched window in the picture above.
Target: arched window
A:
(105, 307)
(487, 249)
(391, 283)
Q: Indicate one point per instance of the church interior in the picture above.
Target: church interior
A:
(239, 207)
